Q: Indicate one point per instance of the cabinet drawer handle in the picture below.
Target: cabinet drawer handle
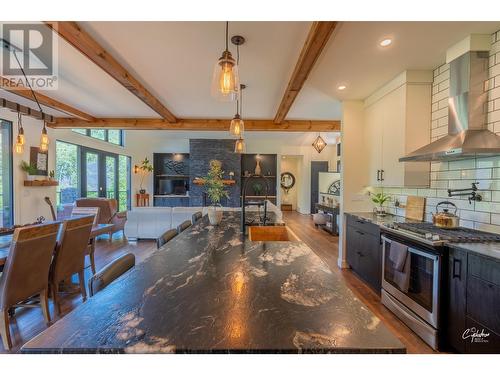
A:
(381, 175)
(361, 233)
(457, 273)
(378, 174)
(360, 221)
(360, 253)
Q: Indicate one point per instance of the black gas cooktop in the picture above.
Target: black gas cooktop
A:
(432, 234)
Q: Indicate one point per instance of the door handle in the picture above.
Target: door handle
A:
(457, 273)
(378, 174)
(381, 175)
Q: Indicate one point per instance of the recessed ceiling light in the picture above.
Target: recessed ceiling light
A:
(342, 87)
(385, 42)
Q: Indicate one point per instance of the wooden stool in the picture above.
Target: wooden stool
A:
(142, 200)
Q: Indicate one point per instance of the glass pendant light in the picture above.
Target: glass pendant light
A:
(319, 144)
(19, 146)
(239, 146)
(237, 127)
(44, 139)
(225, 79)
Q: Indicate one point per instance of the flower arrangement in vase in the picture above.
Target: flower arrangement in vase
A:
(214, 187)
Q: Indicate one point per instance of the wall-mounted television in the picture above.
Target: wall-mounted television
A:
(172, 186)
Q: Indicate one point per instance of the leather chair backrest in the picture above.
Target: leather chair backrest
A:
(165, 237)
(110, 273)
(196, 216)
(26, 270)
(107, 207)
(183, 226)
(72, 247)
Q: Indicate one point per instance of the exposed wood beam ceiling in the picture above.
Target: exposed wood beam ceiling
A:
(196, 124)
(5, 84)
(316, 40)
(84, 43)
(5, 103)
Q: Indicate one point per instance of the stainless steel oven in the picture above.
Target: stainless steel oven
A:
(413, 293)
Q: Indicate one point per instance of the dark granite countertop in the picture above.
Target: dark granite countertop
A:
(489, 249)
(381, 220)
(210, 290)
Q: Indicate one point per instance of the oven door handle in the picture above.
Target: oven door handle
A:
(413, 250)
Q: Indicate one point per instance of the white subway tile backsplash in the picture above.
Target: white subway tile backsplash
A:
(476, 174)
(462, 164)
(487, 227)
(439, 166)
(448, 175)
(491, 162)
(495, 196)
(439, 184)
(487, 207)
(482, 217)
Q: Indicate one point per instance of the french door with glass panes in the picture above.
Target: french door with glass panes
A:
(99, 174)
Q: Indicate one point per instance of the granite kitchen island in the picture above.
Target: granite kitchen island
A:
(211, 290)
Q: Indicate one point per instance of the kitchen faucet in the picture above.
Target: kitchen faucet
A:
(264, 219)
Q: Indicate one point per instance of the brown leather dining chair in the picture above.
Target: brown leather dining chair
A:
(165, 237)
(183, 226)
(110, 273)
(26, 273)
(69, 257)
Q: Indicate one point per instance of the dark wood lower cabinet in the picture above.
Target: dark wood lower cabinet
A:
(473, 304)
(457, 265)
(364, 253)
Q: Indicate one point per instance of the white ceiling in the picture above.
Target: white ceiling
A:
(174, 60)
(353, 56)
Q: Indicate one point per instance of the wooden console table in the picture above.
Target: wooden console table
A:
(142, 200)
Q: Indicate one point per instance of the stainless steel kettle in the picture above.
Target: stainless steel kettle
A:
(445, 219)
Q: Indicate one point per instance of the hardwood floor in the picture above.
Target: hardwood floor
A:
(27, 323)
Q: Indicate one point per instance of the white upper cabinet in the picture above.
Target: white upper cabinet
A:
(397, 121)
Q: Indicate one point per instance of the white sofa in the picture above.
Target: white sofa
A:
(152, 222)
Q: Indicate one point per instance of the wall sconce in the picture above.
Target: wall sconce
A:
(136, 169)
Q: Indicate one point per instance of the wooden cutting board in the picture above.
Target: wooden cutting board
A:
(415, 208)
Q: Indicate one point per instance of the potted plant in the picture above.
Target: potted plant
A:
(379, 199)
(144, 169)
(214, 187)
(29, 169)
(52, 175)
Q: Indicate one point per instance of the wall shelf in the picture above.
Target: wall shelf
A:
(201, 182)
(41, 183)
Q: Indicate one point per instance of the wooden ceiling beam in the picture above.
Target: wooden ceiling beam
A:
(27, 111)
(316, 40)
(45, 100)
(83, 42)
(195, 124)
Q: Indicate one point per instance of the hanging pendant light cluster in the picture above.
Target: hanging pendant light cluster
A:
(225, 79)
(19, 146)
(319, 144)
(44, 138)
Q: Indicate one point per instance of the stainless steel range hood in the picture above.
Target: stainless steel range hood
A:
(468, 135)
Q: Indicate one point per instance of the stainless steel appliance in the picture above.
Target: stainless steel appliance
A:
(418, 302)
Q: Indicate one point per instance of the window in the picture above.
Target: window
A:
(86, 172)
(6, 199)
(67, 172)
(113, 136)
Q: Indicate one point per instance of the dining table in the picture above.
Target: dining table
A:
(96, 231)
